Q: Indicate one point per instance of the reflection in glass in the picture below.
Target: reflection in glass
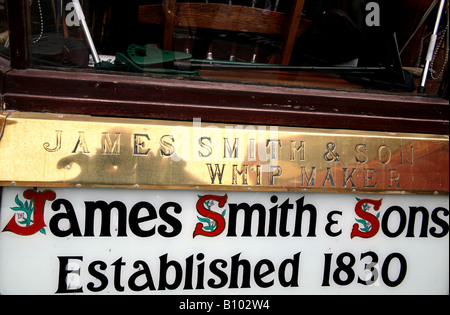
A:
(271, 41)
(4, 32)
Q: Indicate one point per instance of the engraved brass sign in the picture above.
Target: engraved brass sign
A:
(82, 151)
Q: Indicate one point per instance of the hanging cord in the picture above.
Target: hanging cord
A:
(441, 35)
(41, 33)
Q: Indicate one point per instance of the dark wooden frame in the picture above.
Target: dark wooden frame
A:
(143, 97)
(103, 94)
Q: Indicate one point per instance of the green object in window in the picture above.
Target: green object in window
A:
(149, 55)
(149, 59)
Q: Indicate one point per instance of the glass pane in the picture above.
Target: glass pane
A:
(4, 32)
(300, 42)
(56, 35)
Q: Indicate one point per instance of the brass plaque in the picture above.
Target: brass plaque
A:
(51, 150)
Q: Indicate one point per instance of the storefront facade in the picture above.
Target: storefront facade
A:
(200, 181)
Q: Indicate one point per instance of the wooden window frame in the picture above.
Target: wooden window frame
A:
(105, 94)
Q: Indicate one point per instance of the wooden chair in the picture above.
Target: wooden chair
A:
(226, 17)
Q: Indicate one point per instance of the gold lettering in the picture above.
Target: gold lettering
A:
(167, 148)
(81, 143)
(329, 178)
(295, 149)
(361, 154)
(140, 145)
(110, 148)
(411, 155)
(243, 173)
(275, 171)
(394, 176)
(368, 178)
(251, 149)
(217, 173)
(258, 174)
(310, 180)
(227, 148)
(349, 177)
(58, 143)
(205, 146)
(387, 155)
(274, 150)
(331, 154)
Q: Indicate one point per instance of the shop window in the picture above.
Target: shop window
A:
(350, 43)
(4, 32)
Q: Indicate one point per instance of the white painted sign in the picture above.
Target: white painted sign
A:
(84, 241)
